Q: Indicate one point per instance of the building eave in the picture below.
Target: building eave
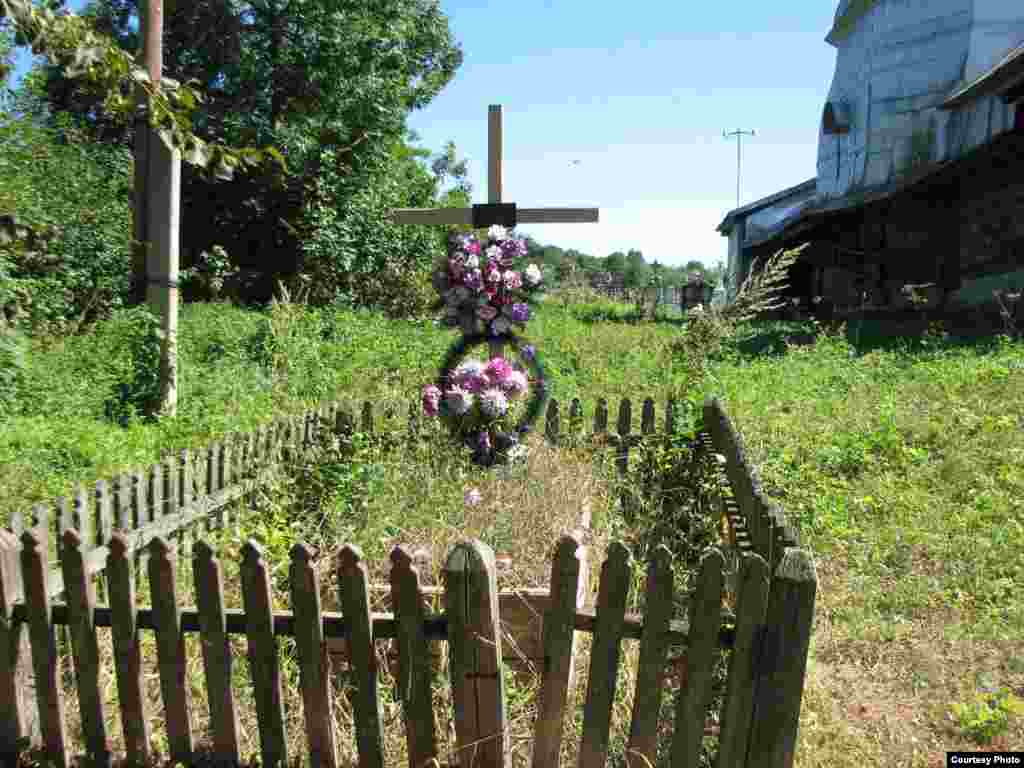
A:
(726, 226)
(1004, 77)
(1010, 145)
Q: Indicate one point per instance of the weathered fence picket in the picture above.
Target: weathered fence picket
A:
(557, 640)
(354, 591)
(314, 665)
(650, 676)
(170, 648)
(604, 657)
(131, 517)
(474, 648)
(264, 660)
(762, 698)
(217, 662)
(414, 672)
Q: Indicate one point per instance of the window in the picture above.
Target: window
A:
(835, 118)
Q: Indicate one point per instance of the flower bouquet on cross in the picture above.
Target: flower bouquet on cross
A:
(479, 401)
(481, 291)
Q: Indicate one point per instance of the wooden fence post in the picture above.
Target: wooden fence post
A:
(474, 648)
(779, 680)
(19, 714)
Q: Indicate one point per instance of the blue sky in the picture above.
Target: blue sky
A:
(640, 93)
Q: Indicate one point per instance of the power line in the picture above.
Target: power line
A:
(739, 135)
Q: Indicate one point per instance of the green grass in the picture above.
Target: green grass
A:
(901, 463)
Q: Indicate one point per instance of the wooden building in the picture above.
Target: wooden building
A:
(920, 159)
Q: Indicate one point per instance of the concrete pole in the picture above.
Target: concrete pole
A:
(157, 216)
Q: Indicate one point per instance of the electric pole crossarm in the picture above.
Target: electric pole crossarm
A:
(739, 134)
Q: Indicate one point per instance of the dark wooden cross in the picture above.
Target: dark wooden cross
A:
(494, 211)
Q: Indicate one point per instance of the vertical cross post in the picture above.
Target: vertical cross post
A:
(494, 182)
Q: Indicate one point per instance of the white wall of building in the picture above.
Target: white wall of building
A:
(901, 60)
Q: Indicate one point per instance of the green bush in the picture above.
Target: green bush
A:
(73, 198)
(354, 256)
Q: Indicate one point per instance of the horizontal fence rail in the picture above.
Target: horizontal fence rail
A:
(767, 651)
(193, 489)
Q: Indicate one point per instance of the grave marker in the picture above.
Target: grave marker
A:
(494, 211)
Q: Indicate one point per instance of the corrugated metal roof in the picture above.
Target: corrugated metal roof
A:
(1003, 76)
(764, 202)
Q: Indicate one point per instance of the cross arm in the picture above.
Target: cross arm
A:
(464, 216)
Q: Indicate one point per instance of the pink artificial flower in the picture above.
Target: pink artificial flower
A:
(497, 370)
(431, 400)
(473, 247)
(486, 312)
(512, 280)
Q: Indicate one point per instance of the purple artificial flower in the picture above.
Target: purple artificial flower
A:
(431, 400)
(469, 375)
(529, 352)
(483, 442)
(500, 326)
(520, 312)
(472, 497)
(473, 280)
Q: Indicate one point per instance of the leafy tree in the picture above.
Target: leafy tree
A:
(695, 266)
(637, 272)
(330, 83)
(72, 44)
(616, 262)
(65, 253)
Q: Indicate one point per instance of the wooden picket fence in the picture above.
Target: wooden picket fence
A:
(195, 489)
(122, 526)
(768, 646)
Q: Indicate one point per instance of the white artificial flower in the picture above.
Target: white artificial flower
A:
(517, 452)
(496, 232)
(472, 261)
(532, 274)
(493, 253)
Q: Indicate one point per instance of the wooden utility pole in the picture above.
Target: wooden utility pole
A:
(157, 215)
